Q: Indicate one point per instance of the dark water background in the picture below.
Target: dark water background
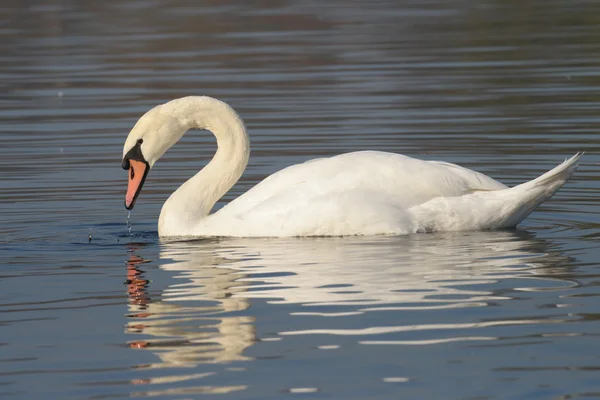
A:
(509, 88)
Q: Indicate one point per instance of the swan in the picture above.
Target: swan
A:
(358, 193)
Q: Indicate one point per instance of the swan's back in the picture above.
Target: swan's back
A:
(339, 187)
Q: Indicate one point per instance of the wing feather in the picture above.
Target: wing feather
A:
(386, 178)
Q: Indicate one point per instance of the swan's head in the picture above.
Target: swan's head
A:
(153, 134)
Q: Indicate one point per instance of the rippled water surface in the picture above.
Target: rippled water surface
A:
(509, 88)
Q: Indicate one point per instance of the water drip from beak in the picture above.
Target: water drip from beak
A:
(129, 222)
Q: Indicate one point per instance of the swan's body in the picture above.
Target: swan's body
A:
(360, 193)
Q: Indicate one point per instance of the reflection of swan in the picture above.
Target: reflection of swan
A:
(205, 315)
(221, 338)
(351, 194)
(366, 272)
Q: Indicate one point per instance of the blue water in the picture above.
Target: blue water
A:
(88, 311)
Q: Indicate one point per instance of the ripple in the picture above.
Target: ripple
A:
(396, 379)
(491, 88)
(303, 390)
(190, 390)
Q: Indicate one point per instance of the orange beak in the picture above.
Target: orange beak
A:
(137, 175)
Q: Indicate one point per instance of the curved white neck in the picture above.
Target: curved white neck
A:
(189, 204)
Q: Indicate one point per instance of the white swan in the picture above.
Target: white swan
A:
(360, 193)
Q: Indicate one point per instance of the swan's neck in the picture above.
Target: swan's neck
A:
(192, 202)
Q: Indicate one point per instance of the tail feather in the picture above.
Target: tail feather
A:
(557, 176)
(493, 209)
(531, 194)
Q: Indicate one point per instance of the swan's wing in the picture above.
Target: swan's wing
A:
(473, 180)
(385, 178)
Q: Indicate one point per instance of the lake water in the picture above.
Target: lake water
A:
(509, 88)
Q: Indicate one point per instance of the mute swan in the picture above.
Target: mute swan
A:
(360, 193)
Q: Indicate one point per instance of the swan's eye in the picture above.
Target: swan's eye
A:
(132, 173)
(140, 141)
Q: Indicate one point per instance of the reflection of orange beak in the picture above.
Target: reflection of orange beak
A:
(137, 175)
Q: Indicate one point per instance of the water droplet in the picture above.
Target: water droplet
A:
(129, 222)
